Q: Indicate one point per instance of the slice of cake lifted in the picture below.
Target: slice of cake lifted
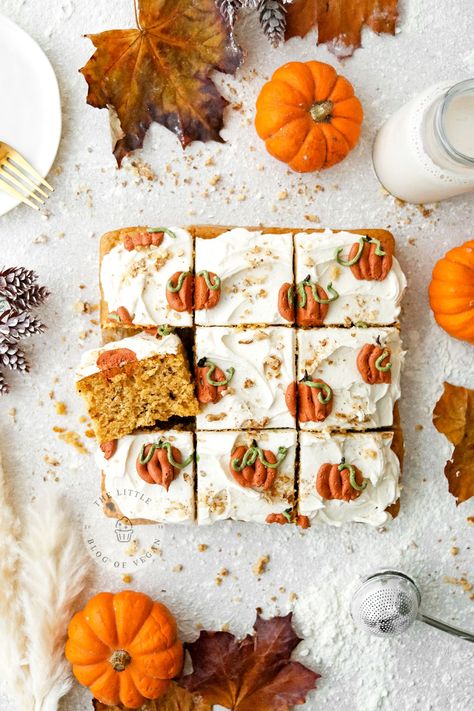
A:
(245, 476)
(242, 376)
(134, 383)
(349, 477)
(146, 277)
(348, 378)
(149, 477)
(343, 278)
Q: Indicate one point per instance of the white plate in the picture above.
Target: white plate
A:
(30, 104)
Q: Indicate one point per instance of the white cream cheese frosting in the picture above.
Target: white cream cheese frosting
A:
(221, 497)
(136, 279)
(371, 453)
(143, 345)
(252, 266)
(135, 497)
(263, 360)
(373, 302)
(331, 354)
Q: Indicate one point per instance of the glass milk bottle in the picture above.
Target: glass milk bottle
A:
(425, 151)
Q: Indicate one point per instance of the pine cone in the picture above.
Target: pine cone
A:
(14, 325)
(3, 385)
(30, 299)
(16, 281)
(272, 16)
(12, 357)
(229, 9)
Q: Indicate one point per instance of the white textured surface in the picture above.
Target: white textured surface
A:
(423, 670)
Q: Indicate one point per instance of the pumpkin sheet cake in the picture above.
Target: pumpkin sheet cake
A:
(351, 477)
(247, 269)
(245, 476)
(355, 277)
(144, 272)
(348, 378)
(159, 467)
(242, 376)
(293, 333)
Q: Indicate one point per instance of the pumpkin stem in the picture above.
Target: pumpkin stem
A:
(321, 110)
(120, 660)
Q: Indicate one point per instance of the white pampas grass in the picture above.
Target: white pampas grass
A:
(43, 570)
(13, 647)
(54, 567)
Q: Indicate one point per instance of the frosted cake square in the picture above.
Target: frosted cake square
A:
(348, 378)
(245, 476)
(134, 383)
(356, 277)
(348, 477)
(146, 277)
(255, 367)
(158, 467)
(251, 267)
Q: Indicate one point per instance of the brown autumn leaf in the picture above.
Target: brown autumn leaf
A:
(453, 416)
(340, 22)
(254, 674)
(175, 699)
(160, 71)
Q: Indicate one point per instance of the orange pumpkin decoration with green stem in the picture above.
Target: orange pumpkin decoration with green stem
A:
(308, 116)
(452, 292)
(124, 647)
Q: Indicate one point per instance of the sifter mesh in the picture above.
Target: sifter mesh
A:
(386, 604)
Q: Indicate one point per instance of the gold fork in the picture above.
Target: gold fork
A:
(19, 179)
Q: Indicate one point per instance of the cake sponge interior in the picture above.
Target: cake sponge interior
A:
(140, 394)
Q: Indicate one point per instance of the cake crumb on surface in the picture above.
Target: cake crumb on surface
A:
(260, 566)
(61, 408)
(202, 547)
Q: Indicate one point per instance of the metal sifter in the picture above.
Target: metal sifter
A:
(388, 602)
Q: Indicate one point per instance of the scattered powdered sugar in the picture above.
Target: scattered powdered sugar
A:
(360, 667)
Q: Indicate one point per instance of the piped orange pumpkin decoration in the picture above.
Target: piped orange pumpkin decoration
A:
(124, 648)
(452, 292)
(286, 302)
(374, 365)
(211, 381)
(207, 290)
(308, 116)
(340, 481)
(314, 397)
(312, 302)
(369, 259)
(179, 292)
(254, 467)
(160, 463)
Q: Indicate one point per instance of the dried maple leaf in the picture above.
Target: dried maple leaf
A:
(160, 72)
(453, 416)
(175, 699)
(254, 674)
(340, 22)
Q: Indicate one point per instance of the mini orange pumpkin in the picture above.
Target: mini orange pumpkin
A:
(124, 647)
(452, 292)
(308, 116)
